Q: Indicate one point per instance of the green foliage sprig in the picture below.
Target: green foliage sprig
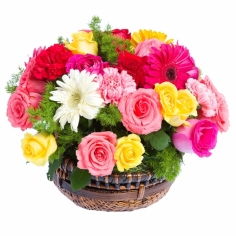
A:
(109, 115)
(13, 82)
(42, 117)
(108, 45)
(166, 163)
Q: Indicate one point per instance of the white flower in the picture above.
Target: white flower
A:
(79, 96)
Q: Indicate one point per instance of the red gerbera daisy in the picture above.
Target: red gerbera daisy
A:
(171, 63)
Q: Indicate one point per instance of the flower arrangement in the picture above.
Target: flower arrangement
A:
(115, 102)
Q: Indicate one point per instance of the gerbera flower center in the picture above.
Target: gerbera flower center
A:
(171, 73)
(74, 100)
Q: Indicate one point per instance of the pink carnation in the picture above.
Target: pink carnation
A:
(115, 85)
(141, 111)
(221, 118)
(145, 47)
(205, 97)
(96, 153)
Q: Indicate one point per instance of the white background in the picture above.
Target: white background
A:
(202, 201)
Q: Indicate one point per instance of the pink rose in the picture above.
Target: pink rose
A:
(88, 62)
(17, 106)
(221, 118)
(199, 138)
(96, 153)
(145, 47)
(27, 81)
(122, 33)
(141, 111)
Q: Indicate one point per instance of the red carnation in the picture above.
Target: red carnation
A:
(50, 63)
(133, 65)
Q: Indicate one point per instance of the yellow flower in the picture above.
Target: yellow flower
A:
(82, 43)
(186, 103)
(168, 97)
(129, 151)
(142, 35)
(177, 105)
(37, 148)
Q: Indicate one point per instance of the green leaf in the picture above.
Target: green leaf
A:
(159, 140)
(52, 168)
(79, 178)
(146, 137)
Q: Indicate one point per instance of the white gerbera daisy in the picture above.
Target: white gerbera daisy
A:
(79, 96)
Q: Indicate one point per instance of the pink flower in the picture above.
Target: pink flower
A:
(221, 118)
(114, 85)
(172, 63)
(141, 111)
(205, 97)
(199, 138)
(122, 33)
(88, 62)
(17, 106)
(145, 47)
(96, 153)
(27, 80)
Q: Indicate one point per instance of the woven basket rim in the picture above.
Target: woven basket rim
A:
(114, 179)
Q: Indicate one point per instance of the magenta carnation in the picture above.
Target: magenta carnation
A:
(115, 85)
(172, 63)
(88, 62)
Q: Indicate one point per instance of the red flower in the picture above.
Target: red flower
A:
(133, 65)
(122, 33)
(50, 63)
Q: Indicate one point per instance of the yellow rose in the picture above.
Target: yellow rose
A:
(82, 43)
(168, 94)
(177, 105)
(186, 103)
(37, 148)
(129, 151)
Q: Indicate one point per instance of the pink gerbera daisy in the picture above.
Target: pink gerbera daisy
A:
(172, 63)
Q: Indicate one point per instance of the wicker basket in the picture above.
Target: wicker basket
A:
(117, 192)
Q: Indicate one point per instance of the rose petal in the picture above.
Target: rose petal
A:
(182, 143)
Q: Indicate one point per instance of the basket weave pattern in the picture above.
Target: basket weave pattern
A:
(116, 192)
